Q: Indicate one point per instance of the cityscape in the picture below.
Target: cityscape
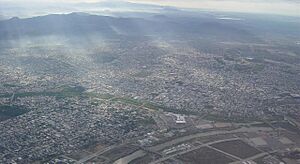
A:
(164, 86)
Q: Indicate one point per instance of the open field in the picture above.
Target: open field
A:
(119, 152)
(260, 160)
(65, 91)
(237, 148)
(205, 156)
(145, 159)
(78, 155)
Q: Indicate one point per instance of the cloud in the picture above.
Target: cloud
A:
(281, 7)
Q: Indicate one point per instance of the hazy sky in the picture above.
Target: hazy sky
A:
(282, 7)
(287, 7)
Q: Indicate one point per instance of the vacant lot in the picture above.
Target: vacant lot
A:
(237, 148)
(205, 156)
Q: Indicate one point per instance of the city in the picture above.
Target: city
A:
(114, 90)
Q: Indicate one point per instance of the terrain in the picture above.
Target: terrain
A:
(79, 88)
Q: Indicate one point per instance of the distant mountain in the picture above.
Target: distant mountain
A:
(85, 24)
(108, 7)
(119, 4)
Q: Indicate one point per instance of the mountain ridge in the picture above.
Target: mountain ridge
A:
(83, 23)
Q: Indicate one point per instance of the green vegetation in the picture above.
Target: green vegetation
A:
(128, 101)
(203, 156)
(7, 112)
(246, 68)
(29, 94)
(10, 85)
(79, 89)
(153, 106)
(237, 148)
(212, 117)
(100, 96)
(66, 91)
(220, 60)
(142, 74)
(147, 121)
(168, 109)
(181, 111)
(33, 94)
(290, 70)
(104, 58)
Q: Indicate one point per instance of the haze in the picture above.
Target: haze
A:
(28, 8)
(149, 82)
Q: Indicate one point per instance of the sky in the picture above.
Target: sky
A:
(280, 7)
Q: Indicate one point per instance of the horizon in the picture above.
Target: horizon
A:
(149, 81)
(25, 9)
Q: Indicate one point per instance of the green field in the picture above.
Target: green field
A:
(68, 91)
(7, 112)
(205, 156)
(65, 91)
